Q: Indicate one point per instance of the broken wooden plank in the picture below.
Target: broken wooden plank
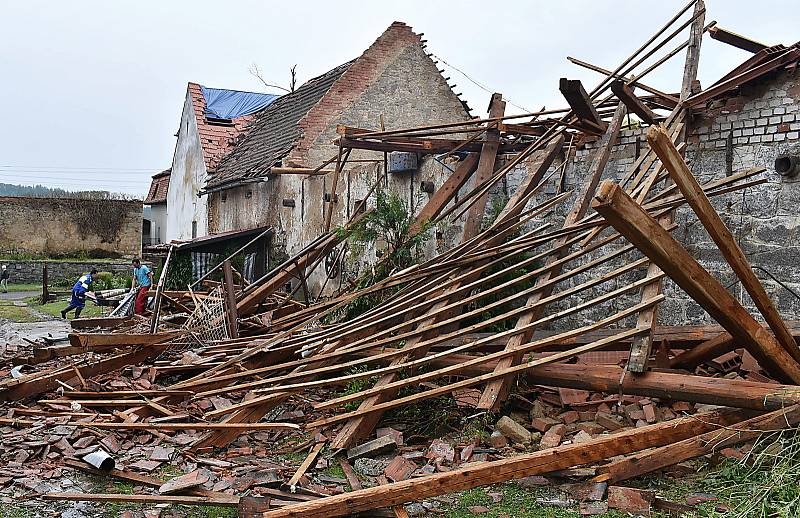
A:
(625, 94)
(696, 198)
(735, 40)
(628, 218)
(486, 163)
(229, 293)
(486, 473)
(579, 101)
(709, 442)
(107, 340)
(708, 350)
(307, 462)
(230, 501)
(445, 193)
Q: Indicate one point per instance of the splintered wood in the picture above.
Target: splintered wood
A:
(543, 320)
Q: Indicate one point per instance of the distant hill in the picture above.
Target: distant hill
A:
(40, 191)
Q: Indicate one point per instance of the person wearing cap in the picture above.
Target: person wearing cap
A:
(78, 301)
(4, 279)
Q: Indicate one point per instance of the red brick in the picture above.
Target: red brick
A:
(630, 500)
(649, 413)
(569, 417)
(542, 424)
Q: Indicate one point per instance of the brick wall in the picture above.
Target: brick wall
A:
(762, 123)
(70, 227)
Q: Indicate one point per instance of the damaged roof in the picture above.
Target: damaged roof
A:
(159, 186)
(273, 131)
(217, 136)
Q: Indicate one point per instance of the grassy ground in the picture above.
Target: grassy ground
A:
(13, 288)
(35, 312)
(9, 311)
(54, 308)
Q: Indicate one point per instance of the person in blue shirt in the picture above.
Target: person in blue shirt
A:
(143, 279)
(79, 291)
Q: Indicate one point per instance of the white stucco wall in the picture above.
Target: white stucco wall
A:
(187, 178)
(158, 223)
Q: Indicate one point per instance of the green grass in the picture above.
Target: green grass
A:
(15, 511)
(32, 286)
(17, 313)
(54, 308)
(516, 501)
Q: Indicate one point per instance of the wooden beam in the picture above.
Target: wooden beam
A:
(633, 222)
(105, 322)
(692, 62)
(488, 157)
(229, 293)
(445, 193)
(536, 171)
(708, 350)
(495, 392)
(91, 341)
(679, 172)
(707, 443)
(579, 101)
(667, 385)
(736, 40)
(228, 500)
(486, 473)
(664, 98)
(625, 94)
(786, 57)
(310, 458)
(159, 288)
(310, 171)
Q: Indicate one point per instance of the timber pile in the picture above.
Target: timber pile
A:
(228, 381)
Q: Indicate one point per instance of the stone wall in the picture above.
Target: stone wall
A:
(30, 272)
(760, 124)
(65, 227)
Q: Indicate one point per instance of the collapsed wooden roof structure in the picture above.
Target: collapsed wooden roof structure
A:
(433, 331)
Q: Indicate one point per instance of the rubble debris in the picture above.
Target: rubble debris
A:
(230, 380)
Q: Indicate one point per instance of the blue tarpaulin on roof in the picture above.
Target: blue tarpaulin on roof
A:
(229, 104)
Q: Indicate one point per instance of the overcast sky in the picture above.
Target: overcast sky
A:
(92, 91)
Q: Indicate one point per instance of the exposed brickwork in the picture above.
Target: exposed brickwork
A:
(159, 187)
(217, 139)
(358, 77)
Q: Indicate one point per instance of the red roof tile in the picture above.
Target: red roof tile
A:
(216, 139)
(159, 187)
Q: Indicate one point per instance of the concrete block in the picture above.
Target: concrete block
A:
(498, 440)
(514, 431)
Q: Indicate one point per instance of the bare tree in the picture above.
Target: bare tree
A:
(293, 82)
(255, 71)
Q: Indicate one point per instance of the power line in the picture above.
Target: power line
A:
(478, 84)
(66, 168)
